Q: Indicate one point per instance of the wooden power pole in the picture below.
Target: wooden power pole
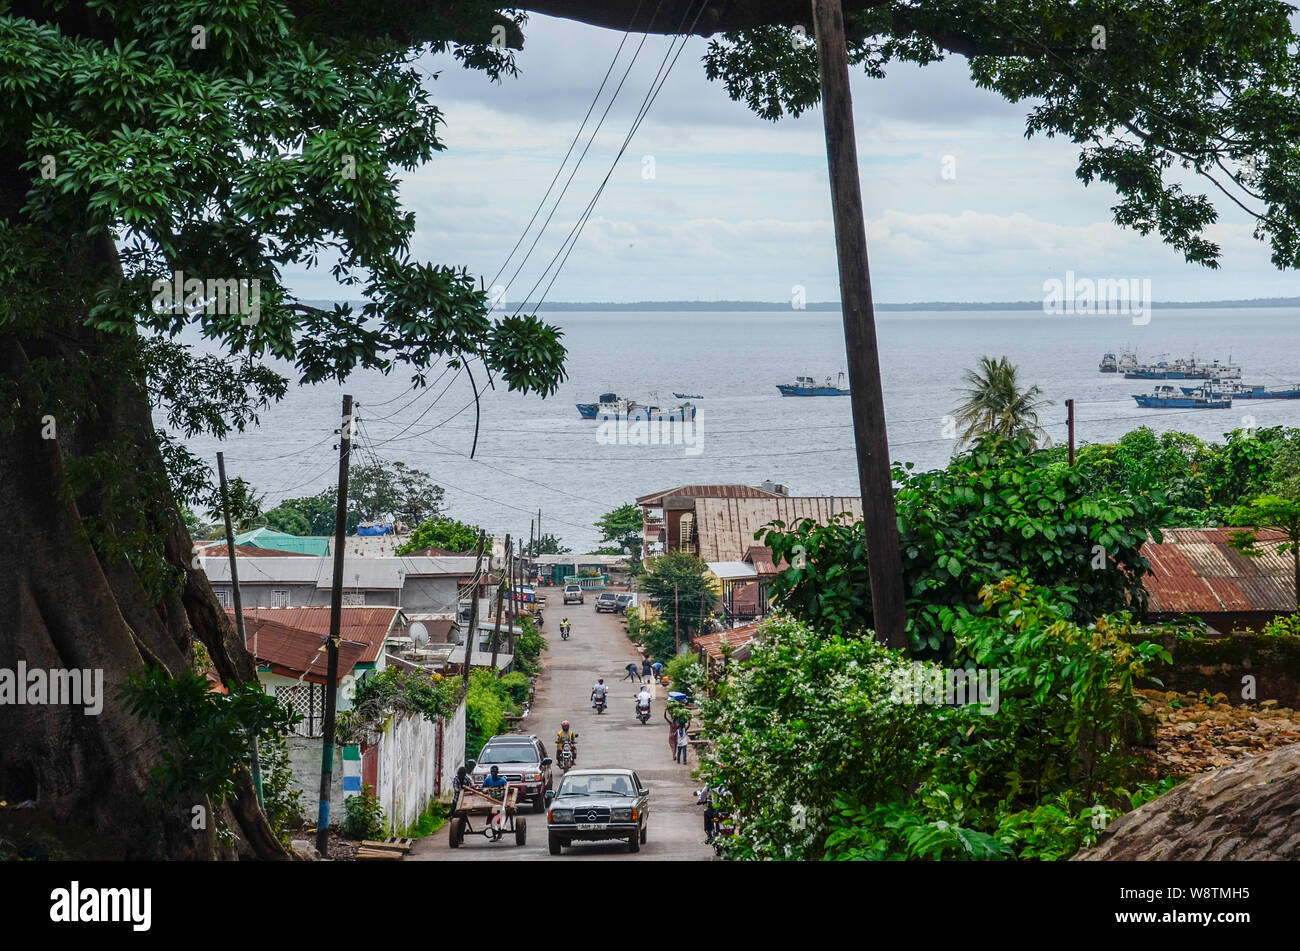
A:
(332, 642)
(880, 520)
(501, 590)
(473, 608)
(237, 603)
(1069, 424)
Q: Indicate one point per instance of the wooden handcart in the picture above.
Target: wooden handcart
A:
(499, 814)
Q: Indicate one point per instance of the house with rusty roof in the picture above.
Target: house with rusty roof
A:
(1195, 572)
(718, 522)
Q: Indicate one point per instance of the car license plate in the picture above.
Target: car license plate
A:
(591, 825)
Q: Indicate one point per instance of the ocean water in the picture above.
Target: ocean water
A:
(534, 453)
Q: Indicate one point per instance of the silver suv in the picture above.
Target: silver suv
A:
(573, 594)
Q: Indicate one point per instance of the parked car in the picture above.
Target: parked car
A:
(596, 805)
(520, 759)
(573, 594)
(626, 601)
(607, 601)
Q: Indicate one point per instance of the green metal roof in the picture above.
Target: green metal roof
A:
(279, 541)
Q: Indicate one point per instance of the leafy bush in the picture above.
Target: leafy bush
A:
(516, 686)
(686, 672)
(212, 731)
(995, 510)
(364, 817)
(1283, 625)
(281, 799)
(808, 718)
(822, 758)
(529, 644)
(487, 703)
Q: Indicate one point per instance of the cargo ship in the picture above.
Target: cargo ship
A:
(1166, 396)
(1248, 391)
(1184, 369)
(1125, 362)
(807, 386)
(612, 406)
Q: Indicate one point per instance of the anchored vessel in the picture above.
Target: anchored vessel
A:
(807, 386)
(1184, 368)
(1166, 396)
(1248, 391)
(611, 406)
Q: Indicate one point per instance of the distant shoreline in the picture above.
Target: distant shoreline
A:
(740, 305)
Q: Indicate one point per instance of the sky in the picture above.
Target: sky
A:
(711, 202)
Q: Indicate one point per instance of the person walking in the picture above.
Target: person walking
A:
(681, 743)
(645, 668)
(633, 672)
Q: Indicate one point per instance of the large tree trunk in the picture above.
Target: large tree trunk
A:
(69, 603)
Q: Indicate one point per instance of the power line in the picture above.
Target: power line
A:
(576, 232)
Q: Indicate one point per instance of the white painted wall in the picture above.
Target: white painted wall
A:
(410, 770)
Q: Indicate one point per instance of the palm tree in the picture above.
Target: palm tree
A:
(995, 404)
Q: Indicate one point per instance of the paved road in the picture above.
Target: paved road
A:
(597, 647)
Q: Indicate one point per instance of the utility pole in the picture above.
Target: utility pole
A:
(238, 605)
(473, 608)
(336, 623)
(516, 594)
(880, 519)
(501, 590)
(1069, 423)
(677, 637)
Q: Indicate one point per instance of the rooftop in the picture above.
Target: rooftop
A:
(1196, 571)
(293, 652)
(367, 626)
(725, 527)
(723, 491)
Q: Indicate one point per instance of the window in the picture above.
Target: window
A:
(280, 598)
(354, 598)
(223, 596)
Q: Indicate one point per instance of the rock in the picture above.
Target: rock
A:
(1268, 704)
(304, 850)
(1242, 811)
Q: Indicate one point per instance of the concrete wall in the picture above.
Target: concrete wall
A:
(411, 772)
(304, 760)
(434, 595)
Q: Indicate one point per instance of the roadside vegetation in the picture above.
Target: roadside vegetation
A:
(832, 746)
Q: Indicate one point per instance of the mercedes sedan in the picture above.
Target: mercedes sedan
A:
(598, 804)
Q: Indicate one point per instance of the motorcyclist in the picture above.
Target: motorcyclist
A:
(598, 692)
(565, 735)
(564, 625)
(643, 698)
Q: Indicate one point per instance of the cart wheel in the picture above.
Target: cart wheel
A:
(456, 832)
(521, 830)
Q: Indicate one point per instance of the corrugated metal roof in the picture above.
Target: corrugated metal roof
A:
(219, 550)
(709, 491)
(760, 556)
(726, 527)
(732, 570)
(368, 626)
(737, 637)
(1196, 571)
(361, 572)
(291, 650)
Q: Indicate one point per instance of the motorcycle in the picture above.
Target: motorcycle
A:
(598, 704)
(566, 757)
(564, 632)
(643, 711)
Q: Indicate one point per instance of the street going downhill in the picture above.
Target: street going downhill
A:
(598, 647)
